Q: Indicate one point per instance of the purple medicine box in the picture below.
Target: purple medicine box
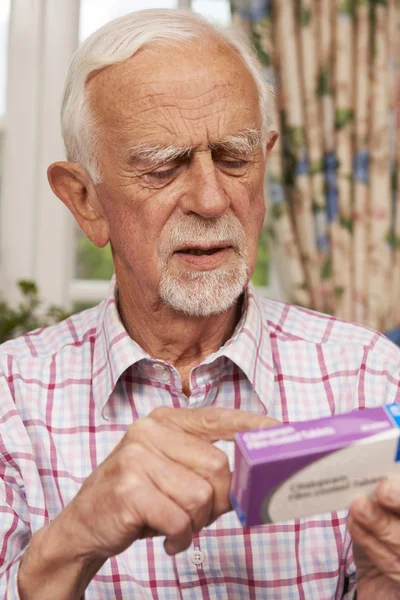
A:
(312, 467)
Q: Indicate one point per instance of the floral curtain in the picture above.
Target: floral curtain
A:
(333, 179)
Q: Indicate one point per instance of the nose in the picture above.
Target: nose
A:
(205, 195)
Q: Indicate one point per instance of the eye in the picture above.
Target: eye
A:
(233, 164)
(160, 176)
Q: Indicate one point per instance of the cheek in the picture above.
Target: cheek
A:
(134, 235)
(125, 232)
(253, 217)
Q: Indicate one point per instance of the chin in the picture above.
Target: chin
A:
(204, 294)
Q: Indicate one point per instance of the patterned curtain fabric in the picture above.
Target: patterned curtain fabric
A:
(333, 179)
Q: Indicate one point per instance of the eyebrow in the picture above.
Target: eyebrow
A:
(158, 154)
(243, 143)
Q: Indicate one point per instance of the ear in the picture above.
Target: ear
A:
(74, 186)
(271, 139)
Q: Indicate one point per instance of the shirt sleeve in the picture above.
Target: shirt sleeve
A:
(379, 378)
(14, 532)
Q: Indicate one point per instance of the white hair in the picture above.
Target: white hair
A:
(119, 40)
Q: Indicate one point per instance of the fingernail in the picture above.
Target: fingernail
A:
(391, 492)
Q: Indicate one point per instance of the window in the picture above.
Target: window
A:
(35, 229)
(4, 21)
(94, 14)
(4, 18)
(217, 11)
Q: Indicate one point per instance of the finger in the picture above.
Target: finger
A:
(212, 423)
(191, 452)
(383, 558)
(388, 494)
(160, 513)
(118, 505)
(187, 489)
(383, 525)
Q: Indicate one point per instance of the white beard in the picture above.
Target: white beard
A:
(203, 293)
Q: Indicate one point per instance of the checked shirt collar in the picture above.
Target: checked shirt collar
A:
(115, 351)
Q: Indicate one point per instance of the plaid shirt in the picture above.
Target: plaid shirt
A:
(69, 392)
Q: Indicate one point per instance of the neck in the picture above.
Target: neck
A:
(178, 339)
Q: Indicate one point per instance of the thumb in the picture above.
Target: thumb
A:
(212, 424)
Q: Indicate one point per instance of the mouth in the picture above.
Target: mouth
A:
(199, 251)
(204, 257)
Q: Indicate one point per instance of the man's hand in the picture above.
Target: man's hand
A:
(164, 478)
(375, 528)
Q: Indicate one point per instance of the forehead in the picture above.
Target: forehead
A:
(196, 93)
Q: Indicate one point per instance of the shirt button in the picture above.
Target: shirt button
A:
(197, 557)
(158, 367)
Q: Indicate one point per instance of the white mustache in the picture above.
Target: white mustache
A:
(194, 230)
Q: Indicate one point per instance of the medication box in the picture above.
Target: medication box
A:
(312, 467)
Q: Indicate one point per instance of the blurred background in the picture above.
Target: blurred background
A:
(331, 240)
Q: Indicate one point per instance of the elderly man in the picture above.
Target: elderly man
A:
(116, 424)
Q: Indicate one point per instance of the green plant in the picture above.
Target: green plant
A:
(260, 276)
(93, 262)
(28, 314)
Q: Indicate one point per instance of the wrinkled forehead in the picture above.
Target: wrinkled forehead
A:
(192, 90)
